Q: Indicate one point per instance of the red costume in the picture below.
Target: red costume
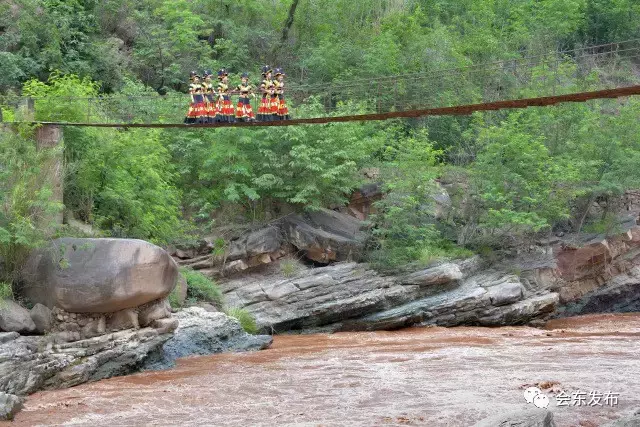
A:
(244, 111)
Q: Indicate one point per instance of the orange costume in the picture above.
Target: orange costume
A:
(209, 98)
(283, 111)
(225, 112)
(244, 111)
(197, 108)
(265, 111)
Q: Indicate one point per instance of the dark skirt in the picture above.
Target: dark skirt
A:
(210, 108)
(264, 110)
(225, 112)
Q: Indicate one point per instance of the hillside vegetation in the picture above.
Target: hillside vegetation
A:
(517, 172)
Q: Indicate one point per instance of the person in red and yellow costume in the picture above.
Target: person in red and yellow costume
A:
(283, 110)
(209, 98)
(274, 102)
(225, 111)
(196, 113)
(266, 88)
(244, 111)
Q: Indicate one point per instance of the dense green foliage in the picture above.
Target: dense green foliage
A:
(6, 292)
(201, 288)
(27, 213)
(118, 179)
(511, 173)
(159, 41)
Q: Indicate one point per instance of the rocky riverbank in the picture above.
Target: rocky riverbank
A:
(553, 279)
(100, 311)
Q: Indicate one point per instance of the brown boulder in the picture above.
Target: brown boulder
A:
(98, 275)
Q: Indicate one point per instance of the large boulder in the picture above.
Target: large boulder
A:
(201, 333)
(325, 235)
(98, 275)
(15, 318)
(256, 242)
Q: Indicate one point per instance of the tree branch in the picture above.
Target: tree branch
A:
(289, 22)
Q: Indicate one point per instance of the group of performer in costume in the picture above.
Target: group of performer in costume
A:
(211, 104)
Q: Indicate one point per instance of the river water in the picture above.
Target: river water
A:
(420, 376)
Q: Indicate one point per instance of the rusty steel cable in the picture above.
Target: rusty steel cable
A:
(442, 111)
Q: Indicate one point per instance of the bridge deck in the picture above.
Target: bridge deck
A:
(441, 111)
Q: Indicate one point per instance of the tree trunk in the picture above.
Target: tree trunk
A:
(289, 22)
(592, 198)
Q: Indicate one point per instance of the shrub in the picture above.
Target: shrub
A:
(245, 318)
(289, 267)
(5, 291)
(201, 288)
(444, 250)
(173, 298)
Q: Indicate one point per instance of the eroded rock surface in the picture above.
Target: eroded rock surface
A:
(200, 333)
(351, 296)
(601, 275)
(10, 405)
(31, 363)
(98, 275)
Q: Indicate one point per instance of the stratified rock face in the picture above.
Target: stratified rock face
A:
(29, 364)
(201, 333)
(350, 296)
(528, 418)
(325, 235)
(15, 318)
(10, 405)
(321, 236)
(620, 295)
(98, 275)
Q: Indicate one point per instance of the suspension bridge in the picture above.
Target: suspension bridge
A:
(594, 72)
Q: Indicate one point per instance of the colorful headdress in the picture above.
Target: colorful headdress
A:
(193, 75)
(207, 73)
(245, 75)
(279, 72)
(222, 73)
(266, 69)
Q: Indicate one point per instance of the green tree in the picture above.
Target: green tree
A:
(519, 186)
(26, 209)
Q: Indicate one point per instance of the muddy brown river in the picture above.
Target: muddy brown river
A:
(420, 376)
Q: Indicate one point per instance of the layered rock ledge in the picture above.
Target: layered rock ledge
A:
(555, 279)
